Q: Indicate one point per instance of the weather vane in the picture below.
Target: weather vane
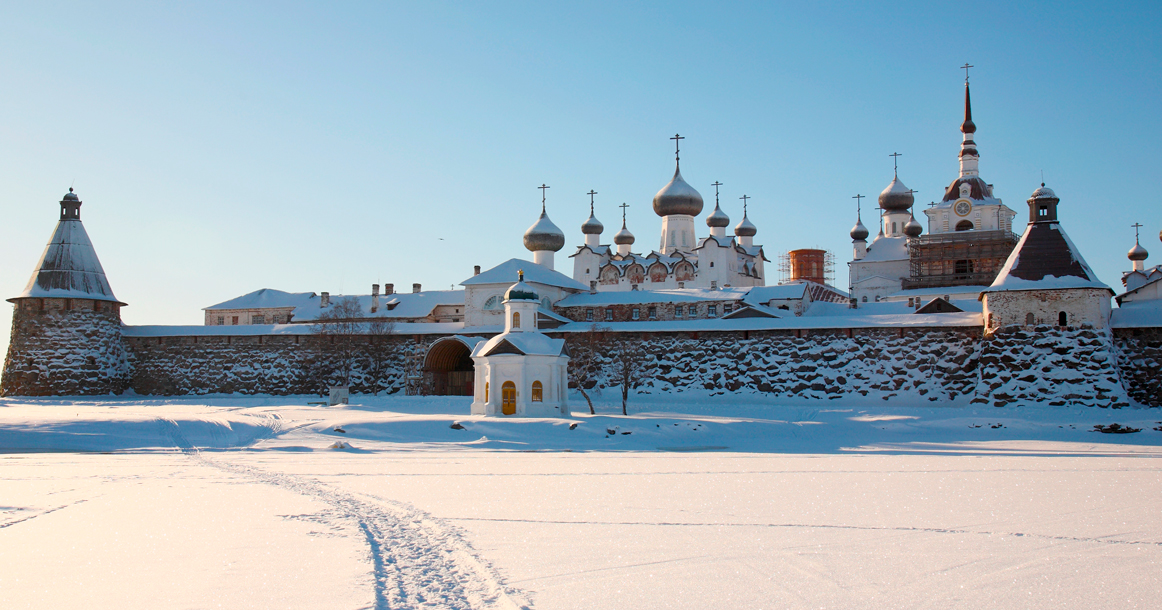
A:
(591, 193)
(716, 185)
(966, 66)
(895, 167)
(677, 141)
(543, 187)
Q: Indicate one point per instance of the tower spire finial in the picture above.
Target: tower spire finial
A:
(1136, 225)
(966, 66)
(543, 187)
(744, 198)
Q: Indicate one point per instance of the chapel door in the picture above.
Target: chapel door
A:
(508, 398)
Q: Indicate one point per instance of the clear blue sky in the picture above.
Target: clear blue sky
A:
(224, 147)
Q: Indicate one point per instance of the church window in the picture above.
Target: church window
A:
(547, 304)
(1030, 319)
(865, 299)
(608, 315)
(653, 313)
(516, 319)
(678, 313)
(258, 319)
(964, 225)
(485, 391)
(990, 320)
(711, 311)
(221, 320)
(877, 298)
(711, 263)
(538, 392)
(636, 314)
(1062, 319)
(493, 302)
(589, 315)
(726, 308)
(893, 228)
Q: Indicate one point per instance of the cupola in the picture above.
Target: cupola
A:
(1043, 205)
(896, 197)
(913, 228)
(859, 232)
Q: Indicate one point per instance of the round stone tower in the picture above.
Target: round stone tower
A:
(66, 325)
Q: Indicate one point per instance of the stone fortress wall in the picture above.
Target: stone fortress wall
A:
(60, 352)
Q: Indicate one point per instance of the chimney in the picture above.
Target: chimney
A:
(415, 288)
(374, 298)
(714, 284)
(324, 299)
(592, 286)
(388, 289)
(476, 270)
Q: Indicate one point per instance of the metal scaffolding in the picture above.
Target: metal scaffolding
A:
(963, 258)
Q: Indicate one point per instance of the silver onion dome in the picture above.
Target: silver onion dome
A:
(592, 226)
(623, 237)
(859, 232)
(913, 228)
(745, 228)
(677, 197)
(1137, 253)
(897, 197)
(70, 196)
(544, 235)
(718, 218)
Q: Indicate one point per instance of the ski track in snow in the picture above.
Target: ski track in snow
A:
(418, 561)
(868, 528)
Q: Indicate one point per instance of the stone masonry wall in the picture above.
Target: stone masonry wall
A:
(66, 348)
(1140, 360)
(1053, 365)
(935, 363)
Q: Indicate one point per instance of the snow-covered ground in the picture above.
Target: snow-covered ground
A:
(714, 502)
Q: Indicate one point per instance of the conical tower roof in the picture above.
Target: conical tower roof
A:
(69, 268)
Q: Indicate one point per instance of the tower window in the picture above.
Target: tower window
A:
(538, 392)
(221, 320)
(964, 225)
(1062, 319)
(1030, 319)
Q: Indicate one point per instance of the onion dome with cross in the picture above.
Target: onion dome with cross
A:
(677, 197)
(544, 235)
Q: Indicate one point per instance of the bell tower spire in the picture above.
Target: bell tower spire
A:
(969, 157)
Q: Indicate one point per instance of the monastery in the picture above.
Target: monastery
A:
(967, 310)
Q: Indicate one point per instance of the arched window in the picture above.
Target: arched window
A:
(1030, 319)
(1062, 319)
(493, 303)
(485, 391)
(964, 225)
(546, 304)
(516, 319)
(865, 299)
(508, 398)
(538, 392)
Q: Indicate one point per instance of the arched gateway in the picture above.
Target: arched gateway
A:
(448, 369)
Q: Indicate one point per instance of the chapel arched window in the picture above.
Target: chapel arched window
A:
(538, 392)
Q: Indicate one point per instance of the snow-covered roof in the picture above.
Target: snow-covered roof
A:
(1138, 314)
(506, 272)
(266, 298)
(69, 268)
(601, 250)
(887, 249)
(641, 297)
(1045, 259)
(530, 344)
(764, 294)
(953, 291)
(858, 319)
(398, 305)
(254, 330)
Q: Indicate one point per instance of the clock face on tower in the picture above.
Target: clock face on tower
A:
(962, 207)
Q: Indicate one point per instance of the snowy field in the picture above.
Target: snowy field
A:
(716, 502)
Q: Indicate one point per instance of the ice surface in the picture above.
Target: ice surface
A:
(711, 502)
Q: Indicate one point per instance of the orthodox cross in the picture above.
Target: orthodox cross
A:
(857, 199)
(591, 193)
(895, 157)
(623, 206)
(716, 185)
(677, 141)
(543, 187)
(1136, 226)
(744, 198)
(966, 66)
(911, 192)
(931, 204)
